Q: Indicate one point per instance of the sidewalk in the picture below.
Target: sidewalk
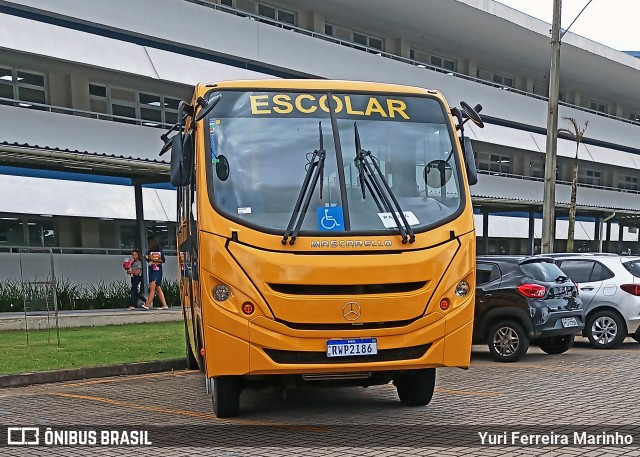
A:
(87, 318)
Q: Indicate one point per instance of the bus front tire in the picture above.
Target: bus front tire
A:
(226, 396)
(415, 387)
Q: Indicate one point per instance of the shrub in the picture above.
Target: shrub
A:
(100, 295)
(171, 292)
(11, 296)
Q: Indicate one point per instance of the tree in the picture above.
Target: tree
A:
(576, 135)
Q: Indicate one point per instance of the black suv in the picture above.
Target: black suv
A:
(521, 300)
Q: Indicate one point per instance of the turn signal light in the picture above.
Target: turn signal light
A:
(633, 289)
(444, 304)
(532, 290)
(248, 308)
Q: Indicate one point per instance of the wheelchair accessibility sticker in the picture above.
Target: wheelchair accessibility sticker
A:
(330, 218)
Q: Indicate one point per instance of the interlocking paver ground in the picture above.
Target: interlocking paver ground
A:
(581, 390)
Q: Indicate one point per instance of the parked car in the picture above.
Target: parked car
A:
(609, 287)
(524, 300)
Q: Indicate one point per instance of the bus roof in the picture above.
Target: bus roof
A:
(316, 84)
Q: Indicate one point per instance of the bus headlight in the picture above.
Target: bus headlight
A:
(463, 289)
(221, 292)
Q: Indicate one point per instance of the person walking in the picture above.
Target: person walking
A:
(155, 259)
(135, 271)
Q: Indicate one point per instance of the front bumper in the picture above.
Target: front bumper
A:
(267, 347)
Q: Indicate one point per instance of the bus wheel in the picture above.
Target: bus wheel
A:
(192, 361)
(226, 396)
(415, 387)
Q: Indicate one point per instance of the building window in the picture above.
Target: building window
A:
(165, 233)
(594, 105)
(328, 29)
(443, 62)
(494, 163)
(506, 81)
(127, 235)
(503, 80)
(541, 89)
(367, 40)
(628, 183)
(590, 177)
(228, 3)
(500, 163)
(107, 233)
(41, 232)
(26, 86)
(11, 231)
(155, 109)
(536, 169)
(419, 56)
(152, 109)
(634, 117)
(123, 105)
(277, 14)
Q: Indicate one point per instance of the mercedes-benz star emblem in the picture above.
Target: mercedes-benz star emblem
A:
(351, 311)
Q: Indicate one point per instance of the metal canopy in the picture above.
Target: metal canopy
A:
(139, 170)
(629, 221)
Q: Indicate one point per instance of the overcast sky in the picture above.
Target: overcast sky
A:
(614, 23)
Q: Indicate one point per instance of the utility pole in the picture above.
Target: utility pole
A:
(549, 201)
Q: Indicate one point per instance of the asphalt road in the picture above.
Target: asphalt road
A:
(583, 395)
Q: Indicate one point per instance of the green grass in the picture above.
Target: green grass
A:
(90, 346)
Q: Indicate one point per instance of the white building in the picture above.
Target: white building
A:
(87, 85)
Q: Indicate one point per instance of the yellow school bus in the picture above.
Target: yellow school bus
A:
(325, 233)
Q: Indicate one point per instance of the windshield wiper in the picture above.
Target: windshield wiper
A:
(372, 176)
(315, 172)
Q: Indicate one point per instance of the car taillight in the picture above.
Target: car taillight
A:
(532, 290)
(633, 289)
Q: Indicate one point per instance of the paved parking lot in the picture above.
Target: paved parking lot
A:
(584, 390)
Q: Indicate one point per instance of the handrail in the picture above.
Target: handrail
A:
(416, 63)
(568, 183)
(80, 112)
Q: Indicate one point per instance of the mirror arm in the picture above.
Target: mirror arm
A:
(456, 112)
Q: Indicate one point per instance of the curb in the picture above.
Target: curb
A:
(74, 374)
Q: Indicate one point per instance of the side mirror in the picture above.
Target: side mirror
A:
(206, 106)
(181, 160)
(472, 113)
(469, 161)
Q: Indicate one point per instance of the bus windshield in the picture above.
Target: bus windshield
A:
(260, 145)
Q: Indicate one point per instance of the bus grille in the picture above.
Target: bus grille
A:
(347, 289)
(348, 325)
(383, 355)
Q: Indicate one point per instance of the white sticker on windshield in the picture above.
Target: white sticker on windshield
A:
(387, 219)
(246, 210)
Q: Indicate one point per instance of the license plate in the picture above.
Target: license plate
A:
(350, 348)
(569, 322)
